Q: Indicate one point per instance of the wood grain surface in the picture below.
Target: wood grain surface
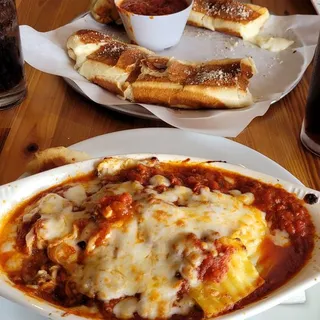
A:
(53, 114)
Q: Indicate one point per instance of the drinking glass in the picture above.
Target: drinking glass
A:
(12, 80)
(310, 132)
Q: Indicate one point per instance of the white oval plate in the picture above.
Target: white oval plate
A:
(163, 140)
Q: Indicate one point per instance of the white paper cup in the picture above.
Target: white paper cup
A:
(155, 32)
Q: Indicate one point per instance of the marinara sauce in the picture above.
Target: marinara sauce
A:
(154, 7)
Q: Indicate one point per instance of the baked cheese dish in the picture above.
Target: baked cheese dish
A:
(138, 75)
(144, 239)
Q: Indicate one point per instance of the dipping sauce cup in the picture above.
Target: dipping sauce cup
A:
(154, 32)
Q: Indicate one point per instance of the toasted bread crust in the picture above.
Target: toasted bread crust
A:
(228, 16)
(105, 61)
(215, 84)
(90, 36)
(53, 158)
(140, 76)
(104, 11)
(229, 10)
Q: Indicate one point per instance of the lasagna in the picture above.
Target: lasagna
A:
(144, 239)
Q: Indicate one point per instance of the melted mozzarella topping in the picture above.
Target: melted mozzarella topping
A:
(280, 238)
(143, 255)
(126, 308)
(56, 221)
(272, 44)
(76, 194)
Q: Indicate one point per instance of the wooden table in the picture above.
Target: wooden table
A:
(54, 115)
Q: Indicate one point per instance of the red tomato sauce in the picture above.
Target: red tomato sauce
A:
(154, 7)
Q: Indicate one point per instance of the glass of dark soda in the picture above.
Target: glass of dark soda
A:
(310, 132)
(12, 81)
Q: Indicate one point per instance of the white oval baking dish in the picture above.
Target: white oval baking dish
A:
(14, 193)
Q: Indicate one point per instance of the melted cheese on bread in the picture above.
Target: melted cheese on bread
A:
(229, 16)
(138, 75)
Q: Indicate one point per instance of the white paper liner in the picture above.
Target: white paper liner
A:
(278, 72)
